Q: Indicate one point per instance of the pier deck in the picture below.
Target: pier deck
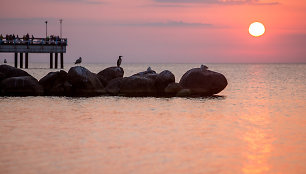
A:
(23, 47)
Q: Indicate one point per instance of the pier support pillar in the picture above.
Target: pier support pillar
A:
(16, 60)
(56, 60)
(51, 60)
(21, 60)
(62, 60)
(26, 61)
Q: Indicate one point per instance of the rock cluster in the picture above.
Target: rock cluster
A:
(79, 81)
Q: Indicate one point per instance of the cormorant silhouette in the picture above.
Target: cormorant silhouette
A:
(119, 61)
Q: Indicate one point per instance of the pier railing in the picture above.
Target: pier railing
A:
(35, 41)
(23, 46)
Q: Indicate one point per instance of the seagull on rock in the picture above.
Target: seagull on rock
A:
(78, 61)
(203, 67)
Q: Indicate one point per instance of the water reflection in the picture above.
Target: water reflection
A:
(258, 136)
(259, 145)
(258, 126)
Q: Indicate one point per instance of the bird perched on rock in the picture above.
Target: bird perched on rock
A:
(203, 67)
(119, 61)
(79, 60)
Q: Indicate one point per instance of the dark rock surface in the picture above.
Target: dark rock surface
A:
(56, 84)
(203, 82)
(84, 82)
(113, 87)
(79, 81)
(2, 76)
(149, 73)
(9, 71)
(146, 83)
(173, 88)
(137, 86)
(163, 79)
(109, 74)
(184, 93)
(21, 86)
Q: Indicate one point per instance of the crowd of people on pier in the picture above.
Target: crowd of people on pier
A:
(27, 40)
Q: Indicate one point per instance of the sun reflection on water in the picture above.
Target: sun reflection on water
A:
(258, 136)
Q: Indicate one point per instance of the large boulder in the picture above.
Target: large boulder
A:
(173, 89)
(2, 76)
(149, 73)
(203, 82)
(113, 87)
(137, 86)
(56, 84)
(21, 86)
(146, 83)
(163, 79)
(84, 82)
(184, 93)
(9, 71)
(110, 73)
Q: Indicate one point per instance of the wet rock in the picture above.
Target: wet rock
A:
(110, 73)
(2, 76)
(137, 86)
(163, 79)
(149, 73)
(56, 84)
(203, 82)
(113, 87)
(21, 86)
(84, 82)
(147, 83)
(184, 93)
(173, 88)
(8, 71)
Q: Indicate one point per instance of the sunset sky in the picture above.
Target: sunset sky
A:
(164, 31)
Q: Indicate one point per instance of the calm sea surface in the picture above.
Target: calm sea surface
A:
(257, 126)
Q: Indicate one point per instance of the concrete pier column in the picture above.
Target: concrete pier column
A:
(26, 61)
(16, 60)
(51, 60)
(56, 60)
(21, 60)
(62, 60)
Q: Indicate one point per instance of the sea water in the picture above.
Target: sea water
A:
(256, 125)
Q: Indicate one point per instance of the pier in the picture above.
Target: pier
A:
(54, 46)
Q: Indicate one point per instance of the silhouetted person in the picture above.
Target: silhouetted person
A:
(5, 61)
(119, 61)
(79, 60)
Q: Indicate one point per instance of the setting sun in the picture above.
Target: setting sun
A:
(257, 29)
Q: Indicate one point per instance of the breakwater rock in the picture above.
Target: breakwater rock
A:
(79, 81)
(203, 82)
(16, 82)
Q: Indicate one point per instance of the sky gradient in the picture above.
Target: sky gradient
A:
(164, 31)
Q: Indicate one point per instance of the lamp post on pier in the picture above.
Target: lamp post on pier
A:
(46, 28)
(61, 21)
(61, 54)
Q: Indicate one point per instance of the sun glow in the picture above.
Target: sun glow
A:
(257, 29)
